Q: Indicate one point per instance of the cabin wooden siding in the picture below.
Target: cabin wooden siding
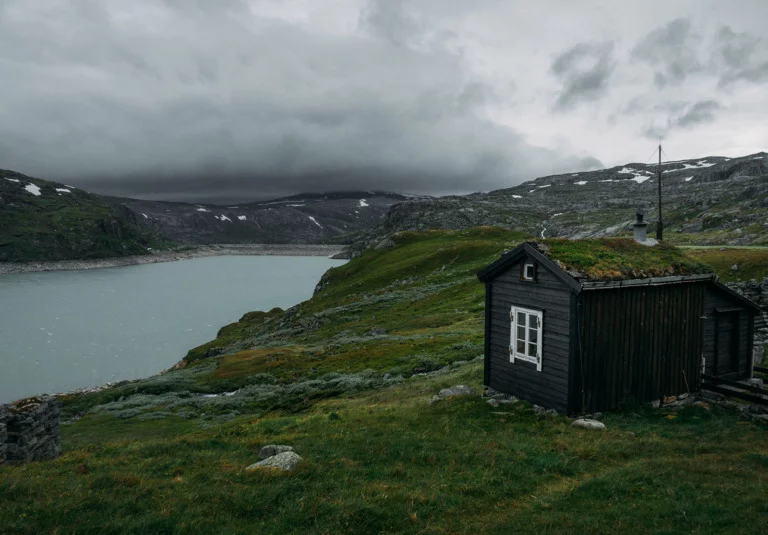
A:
(549, 294)
(640, 343)
(720, 309)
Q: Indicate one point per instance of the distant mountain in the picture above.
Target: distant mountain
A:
(713, 200)
(306, 218)
(42, 220)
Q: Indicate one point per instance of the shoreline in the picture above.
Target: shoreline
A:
(201, 251)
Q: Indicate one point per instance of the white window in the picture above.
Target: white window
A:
(529, 272)
(526, 335)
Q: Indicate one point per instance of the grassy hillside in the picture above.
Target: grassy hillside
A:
(750, 262)
(338, 377)
(42, 220)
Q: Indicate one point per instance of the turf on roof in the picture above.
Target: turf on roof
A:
(619, 259)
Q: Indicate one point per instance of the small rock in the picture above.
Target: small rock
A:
(288, 461)
(669, 399)
(493, 402)
(735, 267)
(656, 403)
(586, 423)
(434, 399)
(682, 396)
(510, 401)
(551, 412)
(458, 390)
(273, 449)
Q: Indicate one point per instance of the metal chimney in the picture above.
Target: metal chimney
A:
(640, 228)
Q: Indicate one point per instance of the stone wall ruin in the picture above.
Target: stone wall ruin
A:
(29, 430)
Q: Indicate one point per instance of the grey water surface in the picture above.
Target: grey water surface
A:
(65, 330)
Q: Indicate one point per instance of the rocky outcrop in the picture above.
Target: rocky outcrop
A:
(286, 461)
(756, 291)
(273, 449)
(29, 430)
(586, 423)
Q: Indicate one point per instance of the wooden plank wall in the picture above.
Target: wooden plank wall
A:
(639, 343)
(549, 387)
(718, 299)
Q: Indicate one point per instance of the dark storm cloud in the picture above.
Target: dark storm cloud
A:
(681, 115)
(672, 51)
(187, 100)
(734, 54)
(701, 112)
(584, 70)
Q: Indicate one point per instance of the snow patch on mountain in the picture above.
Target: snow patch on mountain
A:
(34, 190)
(315, 221)
(363, 204)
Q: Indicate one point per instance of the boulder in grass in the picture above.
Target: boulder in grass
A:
(458, 390)
(286, 461)
(586, 423)
(273, 449)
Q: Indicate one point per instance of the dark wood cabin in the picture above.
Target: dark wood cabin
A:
(584, 326)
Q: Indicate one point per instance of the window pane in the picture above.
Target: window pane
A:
(529, 271)
(521, 333)
(533, 320)
(533, 335)
(531, 350)
(521, 318)
(521, 347)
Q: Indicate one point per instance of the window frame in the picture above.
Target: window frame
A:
(514, 354)
(524, 268)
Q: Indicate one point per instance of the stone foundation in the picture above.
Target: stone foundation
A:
(29, 430)
(757, 291)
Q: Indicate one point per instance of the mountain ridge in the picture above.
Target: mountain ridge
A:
(713, 200)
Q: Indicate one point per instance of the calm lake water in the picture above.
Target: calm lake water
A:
(73, 329)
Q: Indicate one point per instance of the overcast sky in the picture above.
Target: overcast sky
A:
(226, 100)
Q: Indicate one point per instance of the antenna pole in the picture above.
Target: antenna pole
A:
(660, 226)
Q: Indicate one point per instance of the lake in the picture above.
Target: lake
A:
(65, 330)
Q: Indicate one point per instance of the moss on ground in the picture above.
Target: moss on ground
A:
(156, 456)
(621, 258)
(752, 263)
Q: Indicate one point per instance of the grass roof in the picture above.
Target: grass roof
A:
(619, 259)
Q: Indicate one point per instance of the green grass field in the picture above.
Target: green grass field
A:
(339, 378)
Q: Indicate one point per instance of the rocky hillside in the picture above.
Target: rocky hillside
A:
(307, 218)
(42, 220)
(713, 200)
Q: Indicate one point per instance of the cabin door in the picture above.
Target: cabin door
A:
(727, 344)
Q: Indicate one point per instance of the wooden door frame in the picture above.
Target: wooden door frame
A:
(734, 351)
